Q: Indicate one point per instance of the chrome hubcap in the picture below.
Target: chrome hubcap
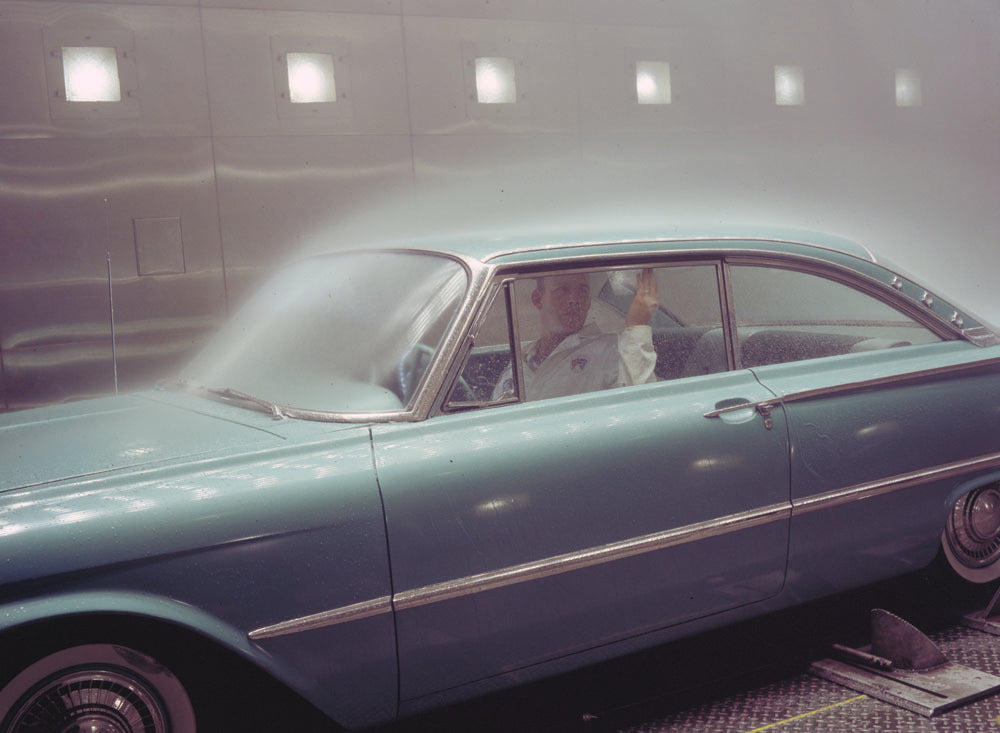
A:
(984, 519)
(974, 527)
(90, 701)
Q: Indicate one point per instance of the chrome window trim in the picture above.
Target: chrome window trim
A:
(514, 338)
(882, 291)
(463, 354)
(506, 276)
(429, 391)
(734, 354)
(496, 291)
(727, 239)
(981, 336)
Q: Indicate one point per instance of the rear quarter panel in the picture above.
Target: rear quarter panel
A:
(875, 469)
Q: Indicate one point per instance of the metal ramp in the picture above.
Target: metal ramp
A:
(903, 667)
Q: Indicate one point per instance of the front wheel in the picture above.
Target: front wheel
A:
(971, 537)
(103, 688)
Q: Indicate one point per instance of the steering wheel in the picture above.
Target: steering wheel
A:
(411, 370)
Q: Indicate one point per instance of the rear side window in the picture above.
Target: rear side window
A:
(786, 315)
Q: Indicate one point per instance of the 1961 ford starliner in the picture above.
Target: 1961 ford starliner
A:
(405, 476)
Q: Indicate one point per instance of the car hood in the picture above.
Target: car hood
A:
(96, 436)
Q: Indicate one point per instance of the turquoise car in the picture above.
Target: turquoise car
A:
(388, 486)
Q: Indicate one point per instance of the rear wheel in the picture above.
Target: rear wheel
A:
(99, 688)
(971, 538)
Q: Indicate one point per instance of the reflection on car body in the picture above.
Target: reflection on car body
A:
(352, 504)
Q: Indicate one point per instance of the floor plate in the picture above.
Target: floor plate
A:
(927, 692)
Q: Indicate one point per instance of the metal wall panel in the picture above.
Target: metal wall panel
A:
(203, 176)
(331, 6)
(79, 188)
(239, 53)
(133, 2)
(552, 10)
(440, 53)
(169, 94)
(706, 14)
(278, 195)
(495, 164)
(606, 76)
(68, 205)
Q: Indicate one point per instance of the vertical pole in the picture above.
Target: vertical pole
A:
(111, 305)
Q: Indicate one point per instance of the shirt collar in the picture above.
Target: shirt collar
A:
(589, 331)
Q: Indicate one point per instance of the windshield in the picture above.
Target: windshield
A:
(345, 333)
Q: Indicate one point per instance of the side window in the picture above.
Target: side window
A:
(692, 341)
(588, 330)
(787, 315)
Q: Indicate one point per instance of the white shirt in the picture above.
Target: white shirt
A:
(586, 361)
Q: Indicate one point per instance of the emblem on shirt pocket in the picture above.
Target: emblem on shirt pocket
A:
(578, 364)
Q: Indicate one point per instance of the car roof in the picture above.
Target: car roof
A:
(544, 243)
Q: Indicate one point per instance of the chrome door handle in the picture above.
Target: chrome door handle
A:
(738, 404)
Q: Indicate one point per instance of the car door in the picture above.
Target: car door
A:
(886, 413)
(523, 531)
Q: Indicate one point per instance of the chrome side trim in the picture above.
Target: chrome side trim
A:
(550, 566)
(525, 572)
(354, 612)
(857, 386)
(890, 380)
(568, 562)
(871, 489)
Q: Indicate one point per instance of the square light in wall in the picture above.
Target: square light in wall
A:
(91, 74)
(789, 86)
(495, 82)
(908, 91)
(311, 78)
(652, 82)
(312, 82)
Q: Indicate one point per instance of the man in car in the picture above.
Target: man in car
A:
(569, 358)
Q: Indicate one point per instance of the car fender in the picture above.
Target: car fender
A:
(306, 660)
(966, 486)
(167, 612)
(67, 606)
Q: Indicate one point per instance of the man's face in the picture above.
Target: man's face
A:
(563, 302)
